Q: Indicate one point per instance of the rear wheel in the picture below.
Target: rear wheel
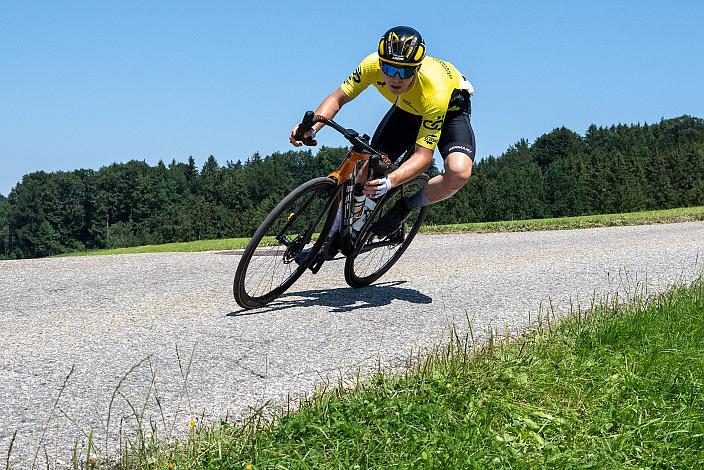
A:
(269, 263)
(372, 255)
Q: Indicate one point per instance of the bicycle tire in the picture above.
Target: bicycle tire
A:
(360, 270)
(247, 295)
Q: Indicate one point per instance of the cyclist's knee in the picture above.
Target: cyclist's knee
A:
(458, 169)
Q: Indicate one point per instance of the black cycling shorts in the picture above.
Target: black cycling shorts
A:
(398, 130)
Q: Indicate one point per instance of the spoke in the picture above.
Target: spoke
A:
(275, 260)
(266, 264)
(371, 258)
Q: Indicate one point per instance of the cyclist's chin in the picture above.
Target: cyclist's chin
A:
(396, 90)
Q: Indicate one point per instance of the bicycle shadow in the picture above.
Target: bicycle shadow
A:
(342, 299)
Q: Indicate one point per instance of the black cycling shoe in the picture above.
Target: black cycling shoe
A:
(330, 248)
(392, 220)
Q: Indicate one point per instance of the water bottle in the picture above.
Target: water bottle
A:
(358, 201)
(362, 206)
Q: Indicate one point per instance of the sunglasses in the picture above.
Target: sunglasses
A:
(403, 72)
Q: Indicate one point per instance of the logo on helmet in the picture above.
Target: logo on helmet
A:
(400, 48)
(402, 45)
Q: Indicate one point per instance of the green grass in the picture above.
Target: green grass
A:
(607, 220)
(200, 245)
(588, 221)
(616, 387)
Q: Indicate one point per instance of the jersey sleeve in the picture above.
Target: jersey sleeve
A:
(361, 78)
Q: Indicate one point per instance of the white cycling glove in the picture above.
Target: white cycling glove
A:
(383, 187)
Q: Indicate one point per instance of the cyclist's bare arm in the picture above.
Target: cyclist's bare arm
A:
(331, 105)
(328, 108)
(415, 165)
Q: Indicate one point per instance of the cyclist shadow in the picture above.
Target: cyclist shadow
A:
(343, 299)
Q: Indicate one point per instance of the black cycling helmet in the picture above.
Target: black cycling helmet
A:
(403, 46)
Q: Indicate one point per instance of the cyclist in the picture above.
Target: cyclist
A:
(431, 108)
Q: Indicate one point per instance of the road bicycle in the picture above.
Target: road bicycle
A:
(289, 240)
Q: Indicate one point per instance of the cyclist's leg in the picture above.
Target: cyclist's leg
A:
(458, 169)
(457, 147)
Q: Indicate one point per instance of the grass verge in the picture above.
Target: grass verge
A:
(686, 214)
(563, 223)
(200, 245)
(616, 387)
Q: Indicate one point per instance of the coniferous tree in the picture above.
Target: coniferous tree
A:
(32, 233)
(556, 145)
(611, 169)
(4, 229)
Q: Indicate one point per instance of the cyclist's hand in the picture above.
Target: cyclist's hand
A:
(377, 188)
(308, 138)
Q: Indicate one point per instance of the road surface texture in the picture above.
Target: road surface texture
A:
(143, 322)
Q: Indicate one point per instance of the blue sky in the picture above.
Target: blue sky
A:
(85, 84)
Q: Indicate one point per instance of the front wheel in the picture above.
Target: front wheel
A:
(270, 263)
(372, 255)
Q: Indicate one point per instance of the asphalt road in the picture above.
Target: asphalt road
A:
(166, 325)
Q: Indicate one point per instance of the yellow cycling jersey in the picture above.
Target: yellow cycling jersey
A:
(429, 97)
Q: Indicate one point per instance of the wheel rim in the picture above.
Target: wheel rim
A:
(377, 254)
(272, 266)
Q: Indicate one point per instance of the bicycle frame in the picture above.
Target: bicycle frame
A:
(344, 176)
(310, 209)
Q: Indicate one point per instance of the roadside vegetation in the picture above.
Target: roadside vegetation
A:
(686, 214)
(606, 170)
(617, 386)
(561, 223)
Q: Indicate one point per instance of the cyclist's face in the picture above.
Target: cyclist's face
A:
(398, 85)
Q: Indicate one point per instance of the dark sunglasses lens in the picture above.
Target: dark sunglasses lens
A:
(406, 72)
(403, 72)
(389, 70)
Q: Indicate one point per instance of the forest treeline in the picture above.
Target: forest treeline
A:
(612, 169)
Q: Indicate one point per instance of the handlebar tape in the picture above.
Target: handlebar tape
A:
(305, 125)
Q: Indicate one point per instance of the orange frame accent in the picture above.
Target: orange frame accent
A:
(342, 174)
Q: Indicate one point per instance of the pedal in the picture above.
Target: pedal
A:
(347, 245)
(316, 265)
